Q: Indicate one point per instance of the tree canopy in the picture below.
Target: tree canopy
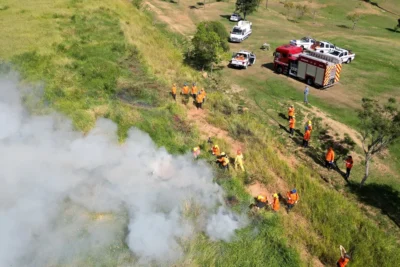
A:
(209, 42)
(380, 127)
(247, 6)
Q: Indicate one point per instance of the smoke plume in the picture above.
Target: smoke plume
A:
(65, 197)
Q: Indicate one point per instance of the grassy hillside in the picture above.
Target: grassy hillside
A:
(107, 59)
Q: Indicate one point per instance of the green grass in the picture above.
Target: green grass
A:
(107, 59)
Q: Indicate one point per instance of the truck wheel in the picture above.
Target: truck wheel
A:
(348, 61)
(279, 70)
(321, 51)
(310, 81)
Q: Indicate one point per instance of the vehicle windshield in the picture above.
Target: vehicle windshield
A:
(335, 53)
(234, 15)
(236, 31)
(304, 39)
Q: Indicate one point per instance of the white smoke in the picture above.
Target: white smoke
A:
(64, 195)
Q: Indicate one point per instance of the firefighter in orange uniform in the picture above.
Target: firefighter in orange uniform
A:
(292, 198)
(291, 112)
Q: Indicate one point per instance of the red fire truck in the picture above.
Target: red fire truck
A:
(321, 70)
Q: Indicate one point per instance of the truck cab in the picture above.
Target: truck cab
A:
(284, 55)
(241, 31)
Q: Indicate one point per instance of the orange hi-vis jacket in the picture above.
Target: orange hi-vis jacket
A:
(291, 112)
(292, 198)
(199, 98)
(185, 90)
(194, 90)
(342, 262)
(275, 204)
(307, 135)
(292, 123)
(330, 155)
(216, 151)
(203, 92)
(173, 90)
(349, 163)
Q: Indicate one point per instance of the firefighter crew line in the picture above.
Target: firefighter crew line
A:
(199, 96)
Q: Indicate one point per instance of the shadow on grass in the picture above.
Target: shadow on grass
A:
(392, 30)
(343, 26)
(225, 16)
(380, 196)
(193, 7)
(293, 20)
(283, 116)
(269, 66)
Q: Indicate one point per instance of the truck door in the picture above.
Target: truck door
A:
(301, 71)
(252, 59)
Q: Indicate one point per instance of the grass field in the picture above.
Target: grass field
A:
(107, 59)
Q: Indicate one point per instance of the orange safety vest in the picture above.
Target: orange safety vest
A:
(349, 163)
(194, 90)
(291, 123)
(275, 204)
(173, 90)
(330, 156)
(307, 135)
(199, 98)
(342, 262)
(203, 92)
(292, 198)
(185, 90)
(291, 112)
(216, 151)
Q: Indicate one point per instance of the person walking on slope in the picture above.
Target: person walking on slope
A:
(223, 161)
(196, 152)
(291, 112)
(275, 204)
(194, 91)
(308, 126)
(292, 122)
(173, 91)
(261, 202)
(203, 92)
(199, 101)
(215, 150)
(306, 92)
(306, 138)
(292, 198)
(349, 165)
(185, 93)
(344, 258)
(329, 158)
(239, 160)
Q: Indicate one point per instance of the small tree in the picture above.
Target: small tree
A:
(206, 47)
(380, 127)
(247, 6)
(397, 26)
(301, 10)
(266, 4)
(289, 6)
(354, 17)
(314, 12)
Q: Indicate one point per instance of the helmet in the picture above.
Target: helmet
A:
(293, 116)
(260, 197)
(294, 190)
(223, 154)
(239, 151)
(347, 256)
(291, 106)
(174, 84)
(216, 146)
(309, 122)
(275, 195)
(185, 84)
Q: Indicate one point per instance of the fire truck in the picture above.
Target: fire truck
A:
(316, 69)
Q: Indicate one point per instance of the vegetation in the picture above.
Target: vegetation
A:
(209, 42)
(380, 127)
(247, 6)
(354, 17)
(142, 58)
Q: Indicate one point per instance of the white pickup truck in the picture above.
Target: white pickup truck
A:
(344, 55)
(242, 59)
(241, 31)
(305, 42)
(323, 47)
